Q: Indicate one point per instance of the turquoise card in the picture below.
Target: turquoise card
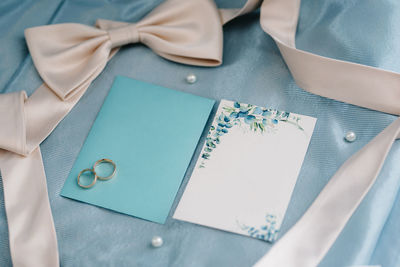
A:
(150, 132)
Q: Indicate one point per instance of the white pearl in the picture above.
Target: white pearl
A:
(191, 78)
(350, 136)
(157, 241)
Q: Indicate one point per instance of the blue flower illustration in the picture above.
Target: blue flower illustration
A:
(267, 232)
(257, 118)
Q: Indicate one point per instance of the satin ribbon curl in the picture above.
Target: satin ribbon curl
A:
(310, 239)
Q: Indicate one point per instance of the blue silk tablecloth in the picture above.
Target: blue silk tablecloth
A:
(253, 71)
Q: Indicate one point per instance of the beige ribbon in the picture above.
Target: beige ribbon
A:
(69, 56)
(307, 242)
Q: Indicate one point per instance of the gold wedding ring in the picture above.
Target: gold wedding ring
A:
(97, 163)
(94, 179)
(93, 170)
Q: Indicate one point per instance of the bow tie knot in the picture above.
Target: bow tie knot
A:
(120, 36)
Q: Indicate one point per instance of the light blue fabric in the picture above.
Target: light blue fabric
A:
(150, 132)
(253, 72)
(15, 16)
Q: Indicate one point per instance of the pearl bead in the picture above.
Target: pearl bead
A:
(191, 78)
(157, 241)
(350, 136)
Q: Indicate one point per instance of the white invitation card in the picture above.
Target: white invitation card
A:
(246, 172)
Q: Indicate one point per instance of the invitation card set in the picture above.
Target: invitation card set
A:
(242, 181)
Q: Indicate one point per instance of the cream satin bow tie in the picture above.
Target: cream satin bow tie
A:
(69, 55)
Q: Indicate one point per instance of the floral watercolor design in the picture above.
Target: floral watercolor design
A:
(256, 118)
(267, 232)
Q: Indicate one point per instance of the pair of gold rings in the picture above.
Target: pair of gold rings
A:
(96, 176)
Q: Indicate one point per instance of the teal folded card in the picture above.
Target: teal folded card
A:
(150, 132)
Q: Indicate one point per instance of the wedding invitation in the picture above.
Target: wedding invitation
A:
(150, 132)
(247, 170)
